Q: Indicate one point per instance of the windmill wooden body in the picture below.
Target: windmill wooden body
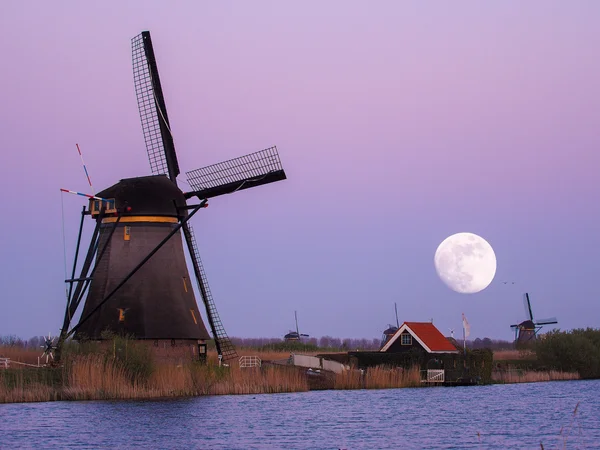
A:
(134, 272)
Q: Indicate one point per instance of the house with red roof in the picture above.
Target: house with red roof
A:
(418, 335)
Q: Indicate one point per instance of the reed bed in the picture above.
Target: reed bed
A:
(349, 379)
(380, 377)
(392, 377)
(24, 355)
(94, 377)
(504, 355)
(530, 376)
(129, 370)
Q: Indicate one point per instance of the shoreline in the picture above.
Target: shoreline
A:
(264, 380)
(128, 369)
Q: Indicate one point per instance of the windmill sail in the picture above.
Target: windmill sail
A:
(548, 321)
(222, 342)
(153, 112)
(236, 174)
(527, 304)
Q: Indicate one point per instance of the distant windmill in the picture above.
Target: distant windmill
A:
(295, 335)
(391, 329)
(529, 328)
(451, 332)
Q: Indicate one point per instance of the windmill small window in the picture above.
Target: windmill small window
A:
(122, 312)
(97, 204)
(405, 339)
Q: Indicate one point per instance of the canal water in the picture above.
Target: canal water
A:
(556, 414)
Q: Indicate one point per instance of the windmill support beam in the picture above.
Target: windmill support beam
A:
(188, 207)
(76, 256)
(84, 270)
(87, 280)
(83, 281)
(72, 280)
(136, 268)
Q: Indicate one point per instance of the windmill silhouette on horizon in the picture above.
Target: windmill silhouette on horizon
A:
(295, 335)
(528, 329)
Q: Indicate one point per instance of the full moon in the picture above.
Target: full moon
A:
(465, 262)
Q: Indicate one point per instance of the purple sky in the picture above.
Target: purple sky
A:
(398, 125)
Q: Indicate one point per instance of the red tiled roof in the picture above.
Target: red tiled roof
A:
(431, 336)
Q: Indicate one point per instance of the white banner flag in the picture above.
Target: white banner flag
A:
(466, 326)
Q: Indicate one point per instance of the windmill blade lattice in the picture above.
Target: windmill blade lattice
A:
(152, 108)
(247, 171)
(223, 343)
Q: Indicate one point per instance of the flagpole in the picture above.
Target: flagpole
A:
(464, 340)
(465, 324)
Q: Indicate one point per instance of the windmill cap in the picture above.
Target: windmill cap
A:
(154, 195)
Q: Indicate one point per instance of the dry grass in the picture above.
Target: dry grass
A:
(93, 377)
(101, 375)
(24, 355)
(524, 376)
(503, 355)
(379, 377)
(33, 393)
(392, 377)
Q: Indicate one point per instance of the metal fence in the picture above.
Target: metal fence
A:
(433, 376)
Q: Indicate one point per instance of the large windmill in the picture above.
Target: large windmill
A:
(528, 329)
(134, 271)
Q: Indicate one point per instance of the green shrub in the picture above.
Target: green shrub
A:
(577, 350)
(133, 356)
(290, 346)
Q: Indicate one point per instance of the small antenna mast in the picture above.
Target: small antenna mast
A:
(396, 309)
(296, 316)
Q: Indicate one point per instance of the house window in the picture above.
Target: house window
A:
(405, 339)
